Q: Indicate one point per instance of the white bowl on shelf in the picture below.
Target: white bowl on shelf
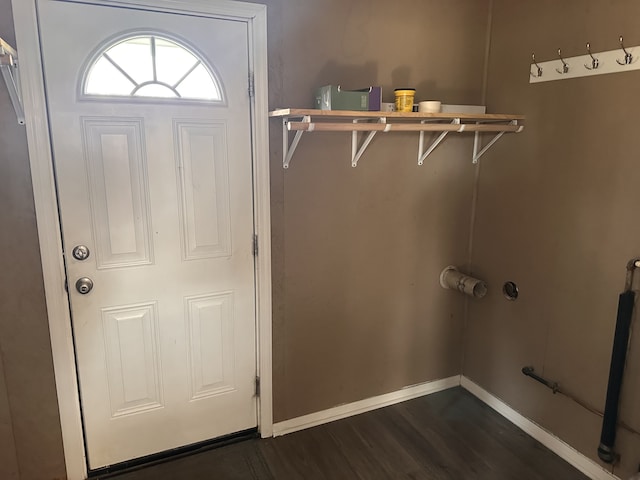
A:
(430, 106)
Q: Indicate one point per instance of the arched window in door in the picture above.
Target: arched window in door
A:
(151, 66)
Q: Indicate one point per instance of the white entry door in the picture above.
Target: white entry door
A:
(150, 126)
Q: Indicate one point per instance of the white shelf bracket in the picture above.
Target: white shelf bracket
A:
(476, 142)
(422, 155)
(299, 121)
(356, 152)
(288, 151)
(9, 69)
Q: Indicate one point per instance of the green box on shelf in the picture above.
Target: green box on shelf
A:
(332, 97)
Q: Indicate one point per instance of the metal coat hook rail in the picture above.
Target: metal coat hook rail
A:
(9, 69)
(618, 60)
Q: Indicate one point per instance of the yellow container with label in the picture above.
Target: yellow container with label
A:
(404, 99)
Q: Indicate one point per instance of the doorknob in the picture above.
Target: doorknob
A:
(84, 285)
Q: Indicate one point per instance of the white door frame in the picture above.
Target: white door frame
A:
(25, 19)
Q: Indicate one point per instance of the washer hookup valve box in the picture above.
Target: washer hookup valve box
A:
(332, 97)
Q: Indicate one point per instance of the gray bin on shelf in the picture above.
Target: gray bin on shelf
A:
(332, 97)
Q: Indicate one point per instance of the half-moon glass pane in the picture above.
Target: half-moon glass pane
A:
(106, 79)
(173, 61)
(155, 90)
(134, 57)
(198, 84)
(151, 66)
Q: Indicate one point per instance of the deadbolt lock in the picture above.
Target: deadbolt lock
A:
(80, 252)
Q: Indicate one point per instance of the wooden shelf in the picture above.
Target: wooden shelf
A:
(349, 114)
(308, 120)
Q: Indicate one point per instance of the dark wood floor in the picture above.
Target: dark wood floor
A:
(446, 436)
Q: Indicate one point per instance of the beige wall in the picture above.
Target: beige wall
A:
(356, 252)
(557, 213)
(8, 459)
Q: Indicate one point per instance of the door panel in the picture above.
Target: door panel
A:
(202, 156)
(160, 191)
(115, 160)
(132, 358)
(210, 324)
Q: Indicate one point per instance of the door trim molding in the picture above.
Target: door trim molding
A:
(45, 199)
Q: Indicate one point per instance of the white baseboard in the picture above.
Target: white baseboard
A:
(362, 406)
(584, 464)
(587, 466)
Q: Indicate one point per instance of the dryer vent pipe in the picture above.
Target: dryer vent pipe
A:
(455, 280)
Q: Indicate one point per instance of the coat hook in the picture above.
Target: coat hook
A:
(538, 67)
(628, 58)
(595, 63)
(565, 65)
